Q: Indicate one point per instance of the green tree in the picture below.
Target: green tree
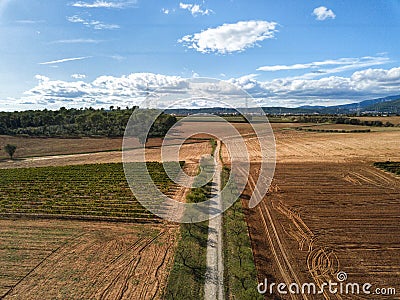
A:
(10, 149)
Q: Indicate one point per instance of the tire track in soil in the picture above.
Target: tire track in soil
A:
(132, 274)
(285, 267)
(132, 265)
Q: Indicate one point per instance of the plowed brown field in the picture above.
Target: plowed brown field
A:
(84, 260)
(328, 210)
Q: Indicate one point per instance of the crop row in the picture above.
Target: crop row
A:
(89, 190)
(389, 166)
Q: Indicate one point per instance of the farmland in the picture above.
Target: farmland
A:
(56, 231)
(345, 128)
(393, 167)
(98, 191)
(329, 209)
(394, 119)
(345, 211)
(328, 205)
(97, 151)
(55, 259)
(31, 147)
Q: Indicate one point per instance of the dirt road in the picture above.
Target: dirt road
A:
(214, 285)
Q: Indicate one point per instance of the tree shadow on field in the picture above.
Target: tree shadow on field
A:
(245, 197)
(12, 160)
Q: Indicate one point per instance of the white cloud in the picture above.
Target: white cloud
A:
(322, 13)
(104, 4)
(132, 89)
(78, 76)
(331, 66)
(63, 60)
(195, 9)
(98, 25)
(104, 90)
(41, 78)
(165, 11)
(229, 38)
(118, 57)
(77, 41)
(29, 22)
(75, 19)
(361, 84)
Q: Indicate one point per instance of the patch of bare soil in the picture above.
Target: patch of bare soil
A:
(83, 260)
(298, 146)
(328, 210)
(319, 219)
(190, 152)
(32, 146)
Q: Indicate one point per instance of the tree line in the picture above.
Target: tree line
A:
(84, 122)
(342, 120)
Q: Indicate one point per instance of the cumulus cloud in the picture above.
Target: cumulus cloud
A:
(104, 4)
(63, 60)
(98, 25)
(78, 76)
(361, 84)
(104, 90)
(195, 9)
(134, 88)
(229, 38)
(41, 78)
(322, 13)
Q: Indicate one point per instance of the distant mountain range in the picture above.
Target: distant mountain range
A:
(390, 104)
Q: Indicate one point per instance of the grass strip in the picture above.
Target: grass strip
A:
(187, 278)
(240, 270)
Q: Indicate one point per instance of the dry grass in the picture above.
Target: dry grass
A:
(28, 147)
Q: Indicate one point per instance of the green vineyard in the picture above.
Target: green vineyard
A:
(389, 166)
(94, 192)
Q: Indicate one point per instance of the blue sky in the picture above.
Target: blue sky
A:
(285, 53)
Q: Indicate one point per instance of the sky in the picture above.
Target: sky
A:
(98, 53)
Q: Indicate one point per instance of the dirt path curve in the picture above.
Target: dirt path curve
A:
(214, 285)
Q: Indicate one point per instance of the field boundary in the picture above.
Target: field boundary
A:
(240, 270)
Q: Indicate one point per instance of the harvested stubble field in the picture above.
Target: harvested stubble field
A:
(33, 146)
(190, 152)
(56, 259)
(347, 128)
(300, 146)
(392, 119)
(328, 210)
(325, 218)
